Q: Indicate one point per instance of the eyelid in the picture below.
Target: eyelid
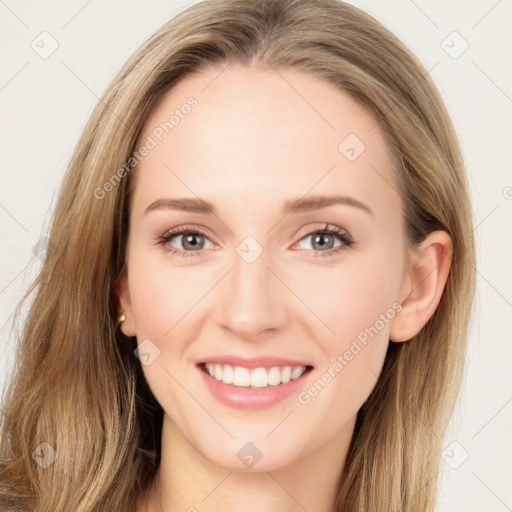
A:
(186, 229)
(306, 231)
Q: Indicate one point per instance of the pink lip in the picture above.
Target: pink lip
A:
(250, 398)
(253, 362)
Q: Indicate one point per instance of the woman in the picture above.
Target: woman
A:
(308, 354)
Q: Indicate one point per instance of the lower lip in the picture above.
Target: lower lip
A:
(249, 398)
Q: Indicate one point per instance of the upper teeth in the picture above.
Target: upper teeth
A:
(258, 377)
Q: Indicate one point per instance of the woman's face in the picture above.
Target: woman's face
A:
(250, 279)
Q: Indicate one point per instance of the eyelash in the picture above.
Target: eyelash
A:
(342, 235)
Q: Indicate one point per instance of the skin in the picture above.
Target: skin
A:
(253, 142)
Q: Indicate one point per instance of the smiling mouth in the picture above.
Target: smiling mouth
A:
(256, 378)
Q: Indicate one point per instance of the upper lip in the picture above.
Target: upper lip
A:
(253, 362)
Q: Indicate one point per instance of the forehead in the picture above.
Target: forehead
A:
(242, 134)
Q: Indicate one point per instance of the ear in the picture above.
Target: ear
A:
(125, 307)
(423, 285)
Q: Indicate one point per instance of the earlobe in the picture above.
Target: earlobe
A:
(425, 282)
(127, 326)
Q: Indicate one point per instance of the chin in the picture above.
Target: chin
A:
(252, 456)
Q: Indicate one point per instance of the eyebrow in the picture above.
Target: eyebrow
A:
(302, 204)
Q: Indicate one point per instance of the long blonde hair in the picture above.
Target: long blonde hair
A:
(77, 385)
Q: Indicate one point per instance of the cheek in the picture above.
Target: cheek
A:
(357, 304)
(163, 299)
(351, 296)
(160, 293)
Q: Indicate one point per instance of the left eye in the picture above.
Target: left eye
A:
(322, 241)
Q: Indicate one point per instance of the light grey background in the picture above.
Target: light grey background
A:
(46, 102)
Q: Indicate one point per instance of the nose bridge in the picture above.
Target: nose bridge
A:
(251, 303)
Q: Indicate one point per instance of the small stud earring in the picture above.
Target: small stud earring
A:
(121, 319)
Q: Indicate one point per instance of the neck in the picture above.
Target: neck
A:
(187, 481)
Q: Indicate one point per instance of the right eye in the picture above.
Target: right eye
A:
(189, 241)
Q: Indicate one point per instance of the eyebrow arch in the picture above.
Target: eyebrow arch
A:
(186, 205)
(303, 204)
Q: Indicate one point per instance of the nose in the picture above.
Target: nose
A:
(252, 299)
